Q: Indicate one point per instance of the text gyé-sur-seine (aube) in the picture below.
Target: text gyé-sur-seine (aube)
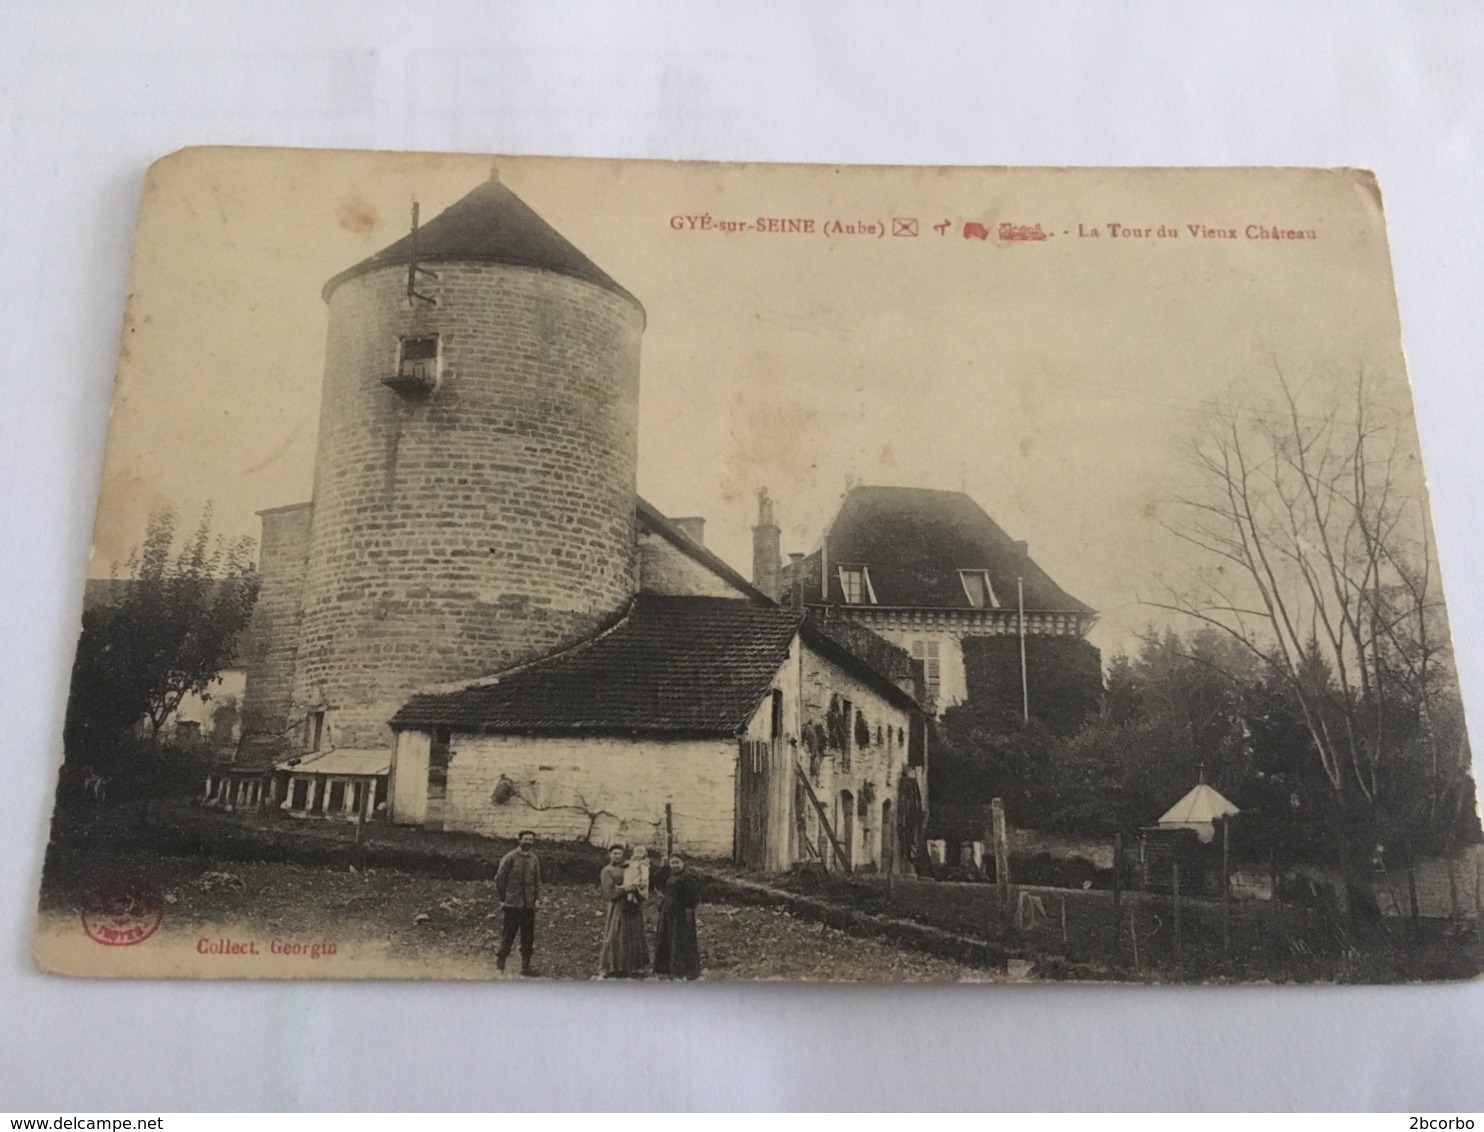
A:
(1005, 232)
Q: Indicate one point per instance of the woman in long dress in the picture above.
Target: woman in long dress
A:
(625, 949)
(677, 952)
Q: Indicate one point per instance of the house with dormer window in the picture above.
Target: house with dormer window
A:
(933, 573)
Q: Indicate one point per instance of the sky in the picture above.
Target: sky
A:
(1057, 381)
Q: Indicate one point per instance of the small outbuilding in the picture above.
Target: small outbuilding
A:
(1179, 850)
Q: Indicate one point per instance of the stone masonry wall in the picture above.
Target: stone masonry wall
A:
(874, 769)
(665, 569)
(485, 524)
(273, 633)
(952, 682)
(599, 787)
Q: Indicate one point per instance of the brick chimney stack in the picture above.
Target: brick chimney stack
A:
(796, 579)
(765, 543)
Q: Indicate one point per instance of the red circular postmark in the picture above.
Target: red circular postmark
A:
(123, 913)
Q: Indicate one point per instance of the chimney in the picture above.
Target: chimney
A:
(796, 579)
(765, 538)
(694, 527)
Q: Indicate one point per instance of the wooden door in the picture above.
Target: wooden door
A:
(750, 833)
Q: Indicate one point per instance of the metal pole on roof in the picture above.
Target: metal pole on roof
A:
(1025, 691)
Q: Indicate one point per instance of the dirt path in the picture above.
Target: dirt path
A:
(457, 921)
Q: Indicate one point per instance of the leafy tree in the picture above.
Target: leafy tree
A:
(1173, 711)
(168, 633)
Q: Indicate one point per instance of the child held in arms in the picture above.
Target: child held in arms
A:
(636, 875)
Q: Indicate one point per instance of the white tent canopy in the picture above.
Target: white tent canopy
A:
(1198, 810)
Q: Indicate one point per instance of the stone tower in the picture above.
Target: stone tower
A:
(475, 478)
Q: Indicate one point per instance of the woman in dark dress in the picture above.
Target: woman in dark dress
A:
(677, 952)
(625, 949)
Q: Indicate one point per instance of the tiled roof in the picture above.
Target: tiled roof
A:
(891, 661)
(914, 541)
(343, 760)
(674, 666)
(491, 224)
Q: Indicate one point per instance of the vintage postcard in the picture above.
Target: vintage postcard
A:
(575, 569)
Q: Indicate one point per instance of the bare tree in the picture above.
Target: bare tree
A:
(1314, 555)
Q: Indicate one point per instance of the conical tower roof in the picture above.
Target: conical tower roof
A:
(493, 225)
(1201, 806)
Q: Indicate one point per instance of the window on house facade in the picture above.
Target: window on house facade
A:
(978, 589)
(855, 584)
(932, 664)
(314, 730)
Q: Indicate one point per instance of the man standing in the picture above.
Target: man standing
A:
(518, 883)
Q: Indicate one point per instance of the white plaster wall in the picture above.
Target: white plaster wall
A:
(408, 802)
(598, 788)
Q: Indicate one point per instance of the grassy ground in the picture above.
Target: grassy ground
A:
(1074, 933)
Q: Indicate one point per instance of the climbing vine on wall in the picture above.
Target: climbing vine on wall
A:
(505, 790)
(835, 721)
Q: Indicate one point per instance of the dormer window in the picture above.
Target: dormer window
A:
(978, 590)
(417, 365)
(855, 584)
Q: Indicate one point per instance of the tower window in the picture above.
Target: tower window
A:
(417, 365)
(314, 730)
(978, 589)
(855, 584)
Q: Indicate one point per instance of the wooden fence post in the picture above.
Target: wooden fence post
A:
(1133, 934)
(1001, 856)
(1117, 894)
(1175, 870)
(1226, 886)
(889, 861)
(669, 830)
